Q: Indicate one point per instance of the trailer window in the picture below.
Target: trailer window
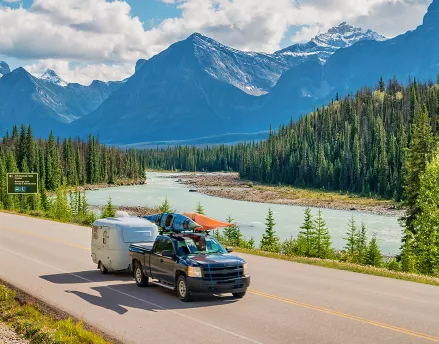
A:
(137, 235)
(104, 239)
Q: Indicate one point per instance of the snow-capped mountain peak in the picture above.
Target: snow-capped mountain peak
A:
(325, 44)
(345, 35)
(51, 76)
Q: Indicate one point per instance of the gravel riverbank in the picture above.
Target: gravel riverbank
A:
(229, 185)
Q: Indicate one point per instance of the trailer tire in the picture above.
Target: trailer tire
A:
(139, 276)
(103, 269)
(182, 289)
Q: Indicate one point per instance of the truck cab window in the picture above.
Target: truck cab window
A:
(159, 246)
(104, 239)
(168, 246)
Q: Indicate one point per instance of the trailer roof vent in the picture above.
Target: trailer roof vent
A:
(121, 213)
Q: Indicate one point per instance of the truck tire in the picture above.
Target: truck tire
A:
(139, 276)
(103, 269)
(183, 289)
(239, 295)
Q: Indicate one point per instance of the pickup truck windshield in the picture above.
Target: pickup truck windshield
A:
(199, 245)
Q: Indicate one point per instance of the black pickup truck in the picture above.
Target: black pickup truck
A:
(189, 263)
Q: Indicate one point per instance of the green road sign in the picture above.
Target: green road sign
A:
(22, 183)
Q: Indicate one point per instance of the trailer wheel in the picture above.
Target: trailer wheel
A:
(102, 268)
(183, 289)
(139, 276)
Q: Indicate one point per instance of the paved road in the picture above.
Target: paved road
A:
(287, 303)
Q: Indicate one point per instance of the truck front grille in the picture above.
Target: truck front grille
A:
(223, 274)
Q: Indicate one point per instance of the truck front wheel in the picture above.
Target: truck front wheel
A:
(182, 289)
(139, 276)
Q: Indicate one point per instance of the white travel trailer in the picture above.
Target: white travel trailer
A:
(112, 237)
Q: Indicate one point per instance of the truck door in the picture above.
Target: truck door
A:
(154, 260)
(163, 268)
(168, 263)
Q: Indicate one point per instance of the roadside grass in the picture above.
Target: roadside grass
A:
(333, 264)
(31, 323)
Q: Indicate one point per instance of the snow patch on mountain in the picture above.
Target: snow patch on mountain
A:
(253, 73)
(326, 44)
(51, 76)
(257, 73)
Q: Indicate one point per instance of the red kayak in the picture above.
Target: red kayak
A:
(205, 222)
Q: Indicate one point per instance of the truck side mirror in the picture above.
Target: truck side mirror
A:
(168, 254)
(229, 250)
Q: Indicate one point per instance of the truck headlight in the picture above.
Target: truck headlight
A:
(245, 267)
(194, 271)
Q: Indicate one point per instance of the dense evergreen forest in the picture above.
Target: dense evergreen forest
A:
(357, 144)
(64, 163)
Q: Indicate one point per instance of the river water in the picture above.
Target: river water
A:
(248, 215)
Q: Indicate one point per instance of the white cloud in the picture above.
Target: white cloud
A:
(104, 40)
(82, 73)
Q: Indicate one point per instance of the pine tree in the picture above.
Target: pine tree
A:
(62, 211)
(362, 244)
(228, 231)
(322, 244)
(352, 241)
(270, 242)
(408, 259)
(382, 85)
(418, 155)
(307, 236)
(53, 168)
(200, 209)
(373, 254)
(426, 239)
(109, 210)
(165, 207)
(31, 150)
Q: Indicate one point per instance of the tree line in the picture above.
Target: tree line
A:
(60, 163)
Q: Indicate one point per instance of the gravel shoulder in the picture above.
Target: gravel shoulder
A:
(7, 336)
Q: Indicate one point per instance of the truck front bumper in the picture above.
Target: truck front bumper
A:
(200, 285)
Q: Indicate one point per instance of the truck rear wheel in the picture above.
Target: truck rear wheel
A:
(139, 276)
(183, 289)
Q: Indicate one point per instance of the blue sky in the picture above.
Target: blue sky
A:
(149, 11)
(102, 39)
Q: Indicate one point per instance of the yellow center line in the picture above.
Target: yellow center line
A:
(44, 237)
(268, 296)
(347, 316)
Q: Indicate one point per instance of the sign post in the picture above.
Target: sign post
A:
(22, 184)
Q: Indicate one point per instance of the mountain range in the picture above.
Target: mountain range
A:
(199, 88)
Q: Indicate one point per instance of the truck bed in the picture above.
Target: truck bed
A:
(141, 248)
